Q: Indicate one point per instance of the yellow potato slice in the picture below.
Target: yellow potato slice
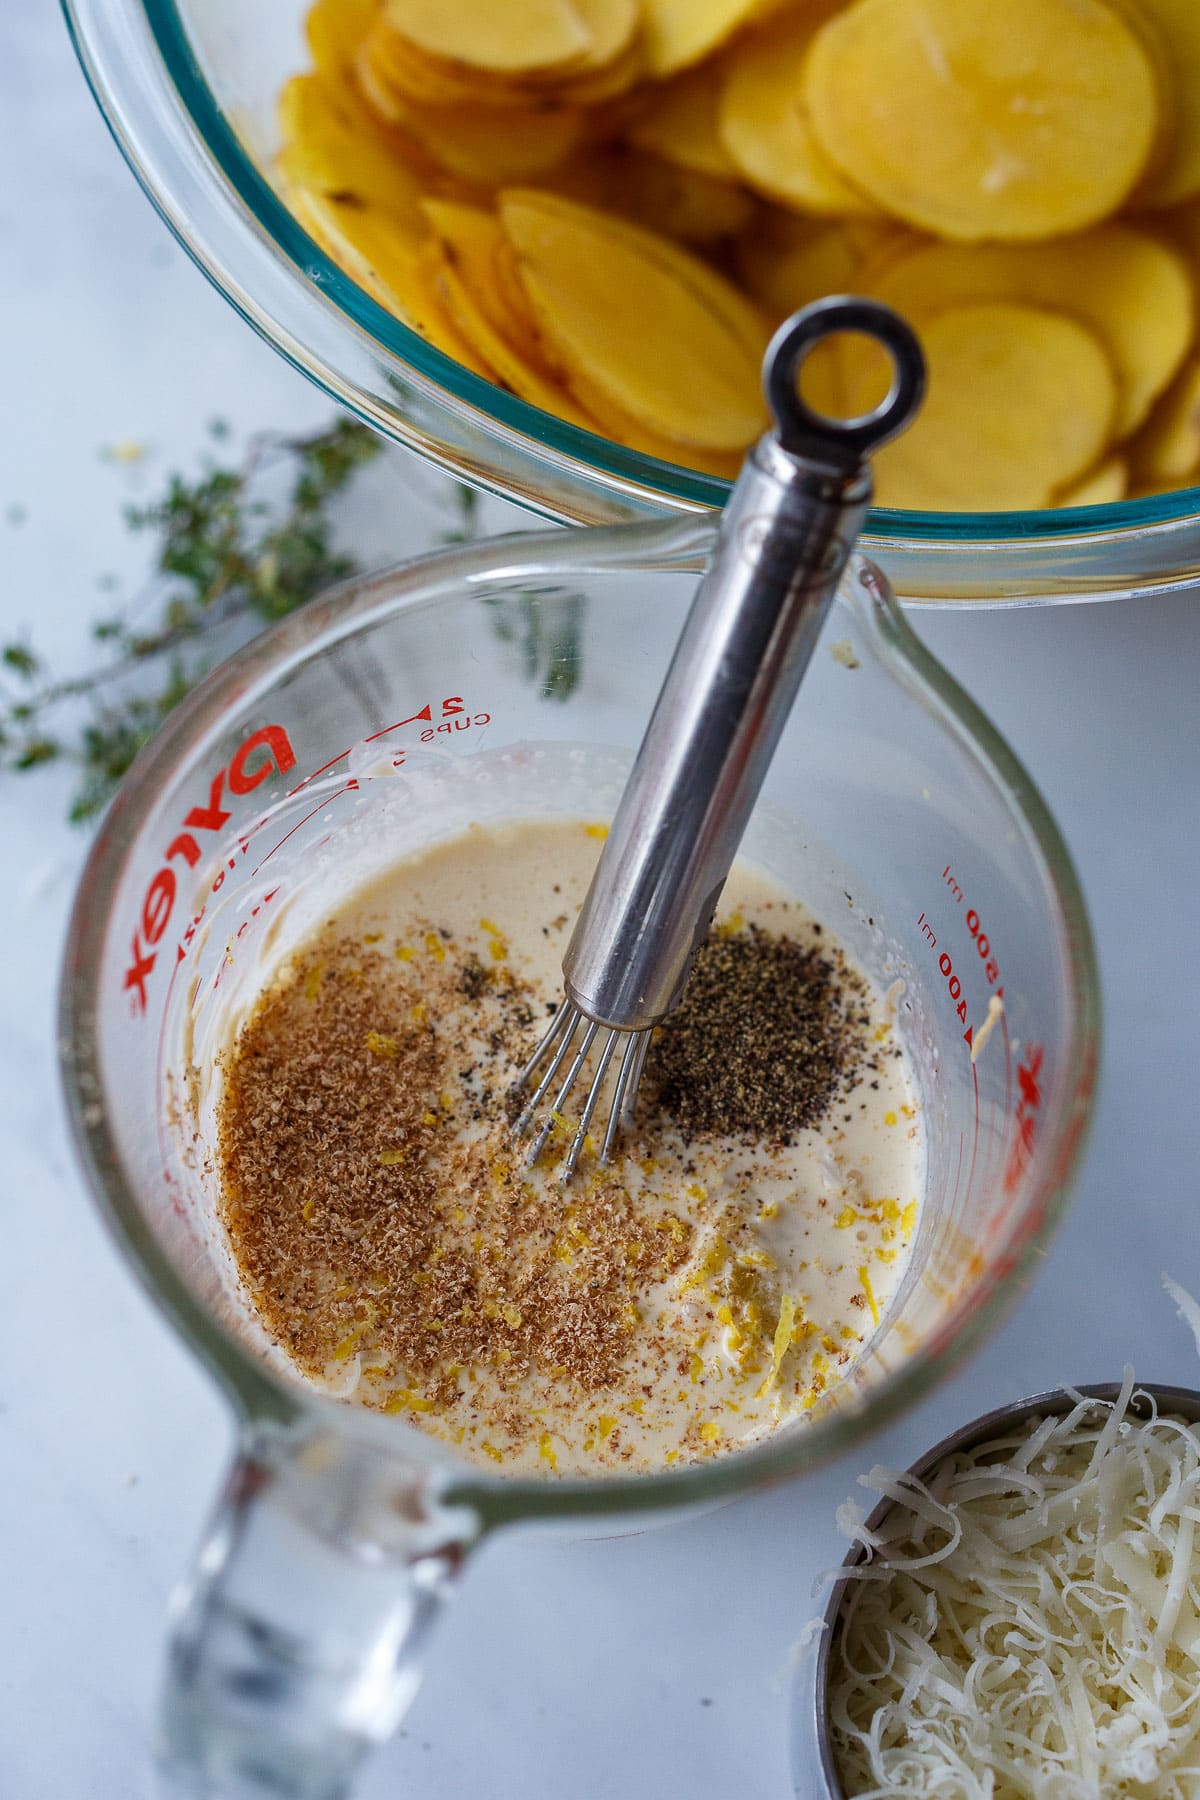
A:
(1167, 451)
(677, 202)
(824, 261)
(327, 149)
(788, 276)
(763, 118)
(681, 125)
(1129, 288)
(384, 261)
(985, 118)
(1020, 403)
(401, 66)
(588, 80)
(1176, 26)
(1182, 226)
(611, 26)
(740, 316)
(500, 38)
(511, 302)
(639, 322)
(1101, 486)
(405, 70)
(626, 430)
(335, 30)
(787, 271)
(679, 33)
(503, 364)
(492, 146)
(467, 239)
(509, 310)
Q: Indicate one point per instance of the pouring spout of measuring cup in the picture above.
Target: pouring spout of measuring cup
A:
(296, 1644)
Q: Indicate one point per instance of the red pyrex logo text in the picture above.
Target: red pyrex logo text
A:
(249, 766)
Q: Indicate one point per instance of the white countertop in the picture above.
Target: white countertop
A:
(642, 1667)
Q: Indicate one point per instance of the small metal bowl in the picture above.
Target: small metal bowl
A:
(814, 1771)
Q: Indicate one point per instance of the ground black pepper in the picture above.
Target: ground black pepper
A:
(769, 1036)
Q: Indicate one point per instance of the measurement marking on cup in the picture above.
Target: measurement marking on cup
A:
(266, 751)
(976, 1030)
(946, 966)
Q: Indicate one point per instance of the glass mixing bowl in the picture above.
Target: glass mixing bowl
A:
(189, 89)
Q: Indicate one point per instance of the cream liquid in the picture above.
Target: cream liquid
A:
(792, 1254)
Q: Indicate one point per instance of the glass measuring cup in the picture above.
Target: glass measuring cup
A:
(506, 679)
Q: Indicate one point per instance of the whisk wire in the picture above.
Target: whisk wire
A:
(564, 1026)
(589, 1106)
(572, 1076)
(557, 1043)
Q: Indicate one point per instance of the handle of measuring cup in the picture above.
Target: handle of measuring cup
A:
(297, 1639)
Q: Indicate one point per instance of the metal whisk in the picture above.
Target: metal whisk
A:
(786, 533)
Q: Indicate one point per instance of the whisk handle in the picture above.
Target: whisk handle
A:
(787, 531)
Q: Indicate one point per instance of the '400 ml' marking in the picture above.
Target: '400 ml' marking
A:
(982, 944)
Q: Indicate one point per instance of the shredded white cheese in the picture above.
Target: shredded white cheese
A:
(1186, 1307)
(1027, 1622)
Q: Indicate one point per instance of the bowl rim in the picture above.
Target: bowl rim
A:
(1165, 1397)
(1111, 550)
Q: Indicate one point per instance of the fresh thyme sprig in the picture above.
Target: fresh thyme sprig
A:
(235, 550)
(225, 552)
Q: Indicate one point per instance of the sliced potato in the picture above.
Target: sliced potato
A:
(492, 146)
(504, 364)
(1020, 402)
(1182, 226)
(978, 120)
(1168, 449)
(680, 124)
(401, 65)
(499, 325)
(825, 260)
(763, 118)
(785, 271)
(512, 305)
(1132, 290)
(327, 150)
(664, 197)
(785, 277)
(679, 33)
(1101, 486)
(624, 429)
(608, 66)
(612, 26)
(503, 40)
(385, 262)
(638, 322)
(1176, 25)
(336, 30)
